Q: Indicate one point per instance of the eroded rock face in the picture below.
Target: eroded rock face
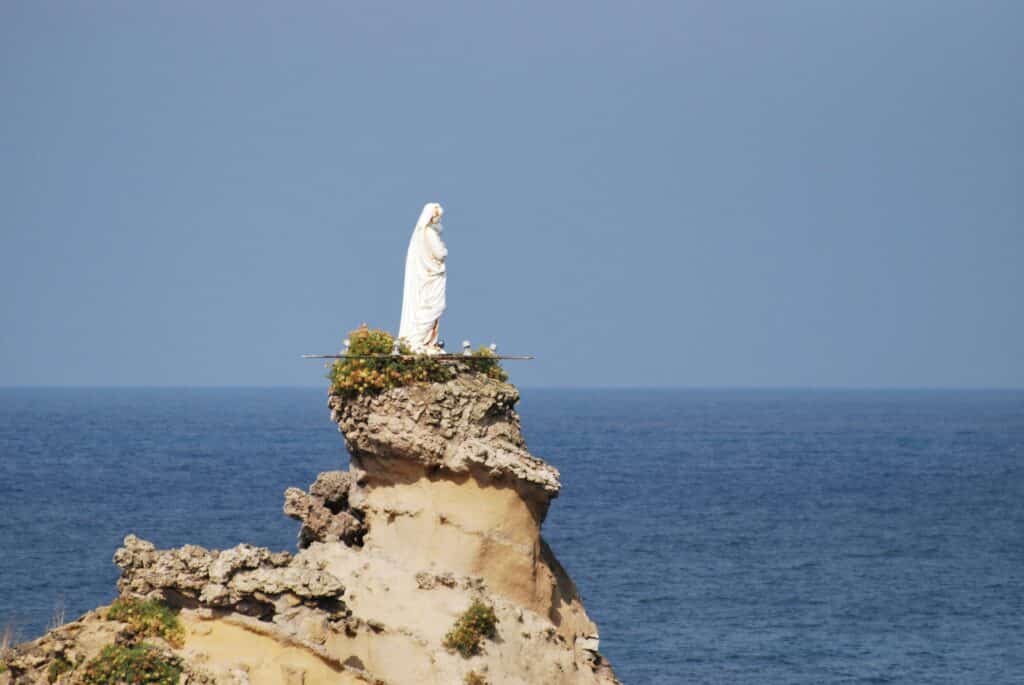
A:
(249, 580)
(465, 426)
(325, 512)
(442, 506)
(444, 480)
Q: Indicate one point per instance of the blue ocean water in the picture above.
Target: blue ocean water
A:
(716, 536)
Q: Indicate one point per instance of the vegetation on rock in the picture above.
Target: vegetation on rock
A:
(351, 377)
(470, 629)
(483, 362)
(142, 663)
(58, 667)
(357, 376)
(149, 617)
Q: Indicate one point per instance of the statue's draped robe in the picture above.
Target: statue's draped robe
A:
(423, 299)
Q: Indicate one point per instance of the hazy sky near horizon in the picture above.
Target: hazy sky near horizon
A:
(656, 193)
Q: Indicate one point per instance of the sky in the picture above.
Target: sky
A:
(700, 194)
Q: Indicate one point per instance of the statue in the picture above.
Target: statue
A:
(423, 299)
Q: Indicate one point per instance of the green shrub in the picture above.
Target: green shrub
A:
(474, 678)
(139, 664)
(58, 667)
(483, 362)
(470, 629)
(149, 617)
(351, 377)
(357, 376)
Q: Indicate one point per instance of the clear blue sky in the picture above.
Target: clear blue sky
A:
(656, 193)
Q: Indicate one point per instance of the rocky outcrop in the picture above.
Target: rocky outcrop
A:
(72, 643)
(465, 426)
(441, 507)
(249, 580)
(325, 512)
(443, 480)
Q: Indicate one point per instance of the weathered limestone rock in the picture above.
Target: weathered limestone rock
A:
(444, 480)
(71, 644)
(442, 505)
(250, 580)
(324, 512)
(465, 426)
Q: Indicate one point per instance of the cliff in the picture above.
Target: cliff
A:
(440, 510)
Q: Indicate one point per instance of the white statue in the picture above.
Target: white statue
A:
(423, 299)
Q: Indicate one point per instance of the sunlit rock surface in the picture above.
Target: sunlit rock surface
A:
(442, 505)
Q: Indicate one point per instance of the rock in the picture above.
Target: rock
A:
(231, 561)
(441, 507)
(324, 512)
(243, 577)
(290, 675)
(331, 488)
(590, 643)
(485, 435)
(428, 581)
(471, 504)
(71, 643)
(201, 629)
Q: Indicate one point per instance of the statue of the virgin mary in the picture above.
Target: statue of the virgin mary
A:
(423, 299)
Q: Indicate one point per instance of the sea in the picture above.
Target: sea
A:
(716, 536)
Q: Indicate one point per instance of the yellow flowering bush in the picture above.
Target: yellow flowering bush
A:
(476, 623)
(354, 376)
(358, 376)
(149, 617)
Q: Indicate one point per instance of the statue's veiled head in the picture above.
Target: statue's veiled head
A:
(431, 214)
